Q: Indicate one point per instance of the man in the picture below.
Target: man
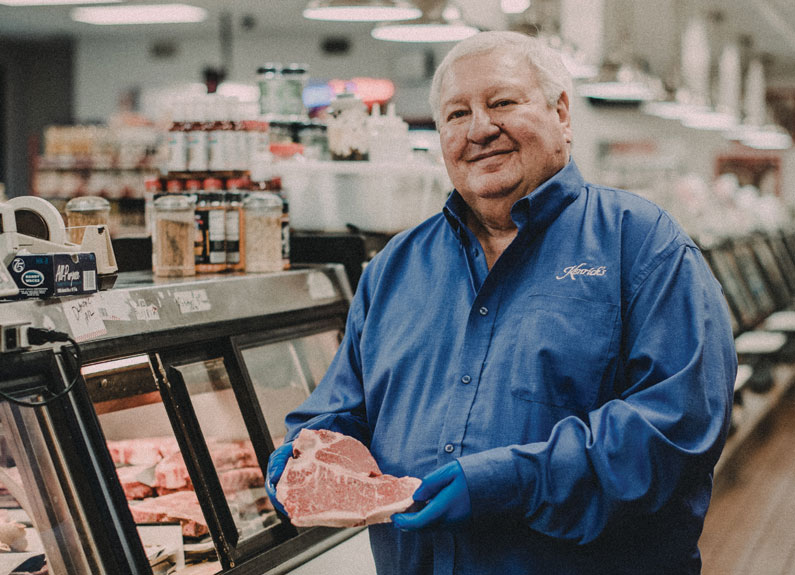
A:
(554, 358)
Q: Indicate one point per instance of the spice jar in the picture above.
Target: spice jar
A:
(173, 237)
(294, 77)
(85, 211)
(210, 241)
(235, 240)
(270, 81)
(263, 232)
(347, 128)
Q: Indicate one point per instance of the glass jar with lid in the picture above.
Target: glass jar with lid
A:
(270, 80)
(85, 211)
(262, 213)
(173, 236)
(294, 79)
(347, 128)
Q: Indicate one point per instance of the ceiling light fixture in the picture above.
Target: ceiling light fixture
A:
(514, 6)
(768, 137)
(139, 14)
(361, 10)
(625, 85)
(439, 22)
(623, 78)
(424, 31)
(756, 131)
(53, 2)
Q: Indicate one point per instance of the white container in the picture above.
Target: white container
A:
(373, 197)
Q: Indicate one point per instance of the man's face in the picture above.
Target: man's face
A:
(500, 139)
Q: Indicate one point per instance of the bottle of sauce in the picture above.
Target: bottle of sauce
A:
(235, 225)
(210, 228)
(197, 137)
(177, 160)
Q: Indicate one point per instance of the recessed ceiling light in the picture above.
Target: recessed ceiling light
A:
(139, 14)
(361, 10)
(427, 32)
(53, 2)
(514, 6)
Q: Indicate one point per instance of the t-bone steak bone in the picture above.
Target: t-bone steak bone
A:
(333, 480)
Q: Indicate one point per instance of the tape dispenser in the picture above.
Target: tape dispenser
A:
(32, 225)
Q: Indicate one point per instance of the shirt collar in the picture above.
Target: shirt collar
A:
(538, 209)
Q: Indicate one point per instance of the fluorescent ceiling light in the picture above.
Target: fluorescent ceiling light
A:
(709, 120)
(766, 138)
(617, 91)
(669, 110)
(53, 2)
(361, 10)
(139, 14)
(429, 32)
(514, 6)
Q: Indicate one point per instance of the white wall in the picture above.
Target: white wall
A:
(107, 67)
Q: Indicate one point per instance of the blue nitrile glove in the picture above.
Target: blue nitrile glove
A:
(447, 496)
(276, 463)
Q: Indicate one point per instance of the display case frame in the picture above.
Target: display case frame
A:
(281, 306)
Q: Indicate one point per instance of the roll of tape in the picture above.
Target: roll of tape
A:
(38, 218)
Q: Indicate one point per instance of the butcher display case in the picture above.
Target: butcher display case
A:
(145, 451)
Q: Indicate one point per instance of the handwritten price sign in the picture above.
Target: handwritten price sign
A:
(84, 319)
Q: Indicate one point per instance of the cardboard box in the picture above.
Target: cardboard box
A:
(54, 275)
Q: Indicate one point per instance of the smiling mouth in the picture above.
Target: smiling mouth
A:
(487, 155)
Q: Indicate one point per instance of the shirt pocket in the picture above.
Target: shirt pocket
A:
(562, 349)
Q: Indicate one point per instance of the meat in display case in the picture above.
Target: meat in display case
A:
(154, 462)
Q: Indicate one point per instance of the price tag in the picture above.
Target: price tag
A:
(145, 311)
(192, 301)
(84, 319)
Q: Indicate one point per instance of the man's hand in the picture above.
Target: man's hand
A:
(447, 495)
(276, 463)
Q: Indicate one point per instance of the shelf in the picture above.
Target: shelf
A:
(86, 165)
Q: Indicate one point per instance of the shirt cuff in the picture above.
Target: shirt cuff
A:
(493, 483)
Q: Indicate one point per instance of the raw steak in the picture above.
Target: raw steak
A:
(130, 482)
(171, 474)
(333, 480)
(234, 480)
(182, 506)
(141, 451)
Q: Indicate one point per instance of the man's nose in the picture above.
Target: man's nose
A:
(481, 127)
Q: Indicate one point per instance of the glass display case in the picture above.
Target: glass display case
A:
(154, 462)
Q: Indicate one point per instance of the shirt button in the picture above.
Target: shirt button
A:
(449, 448)
(466, 379)
(483, 310)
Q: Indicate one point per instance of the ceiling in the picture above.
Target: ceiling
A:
(768, 24)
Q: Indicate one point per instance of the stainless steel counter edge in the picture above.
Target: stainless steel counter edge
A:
(140, 303)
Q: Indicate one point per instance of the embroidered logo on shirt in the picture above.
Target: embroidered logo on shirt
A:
(580, 270)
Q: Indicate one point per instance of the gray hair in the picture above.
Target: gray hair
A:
(552, 75)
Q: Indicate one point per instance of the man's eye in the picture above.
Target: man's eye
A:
(456, 114)
(502, 103)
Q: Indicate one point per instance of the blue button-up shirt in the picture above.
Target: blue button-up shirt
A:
(584, 383)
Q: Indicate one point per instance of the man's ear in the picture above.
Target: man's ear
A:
(562, 108)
